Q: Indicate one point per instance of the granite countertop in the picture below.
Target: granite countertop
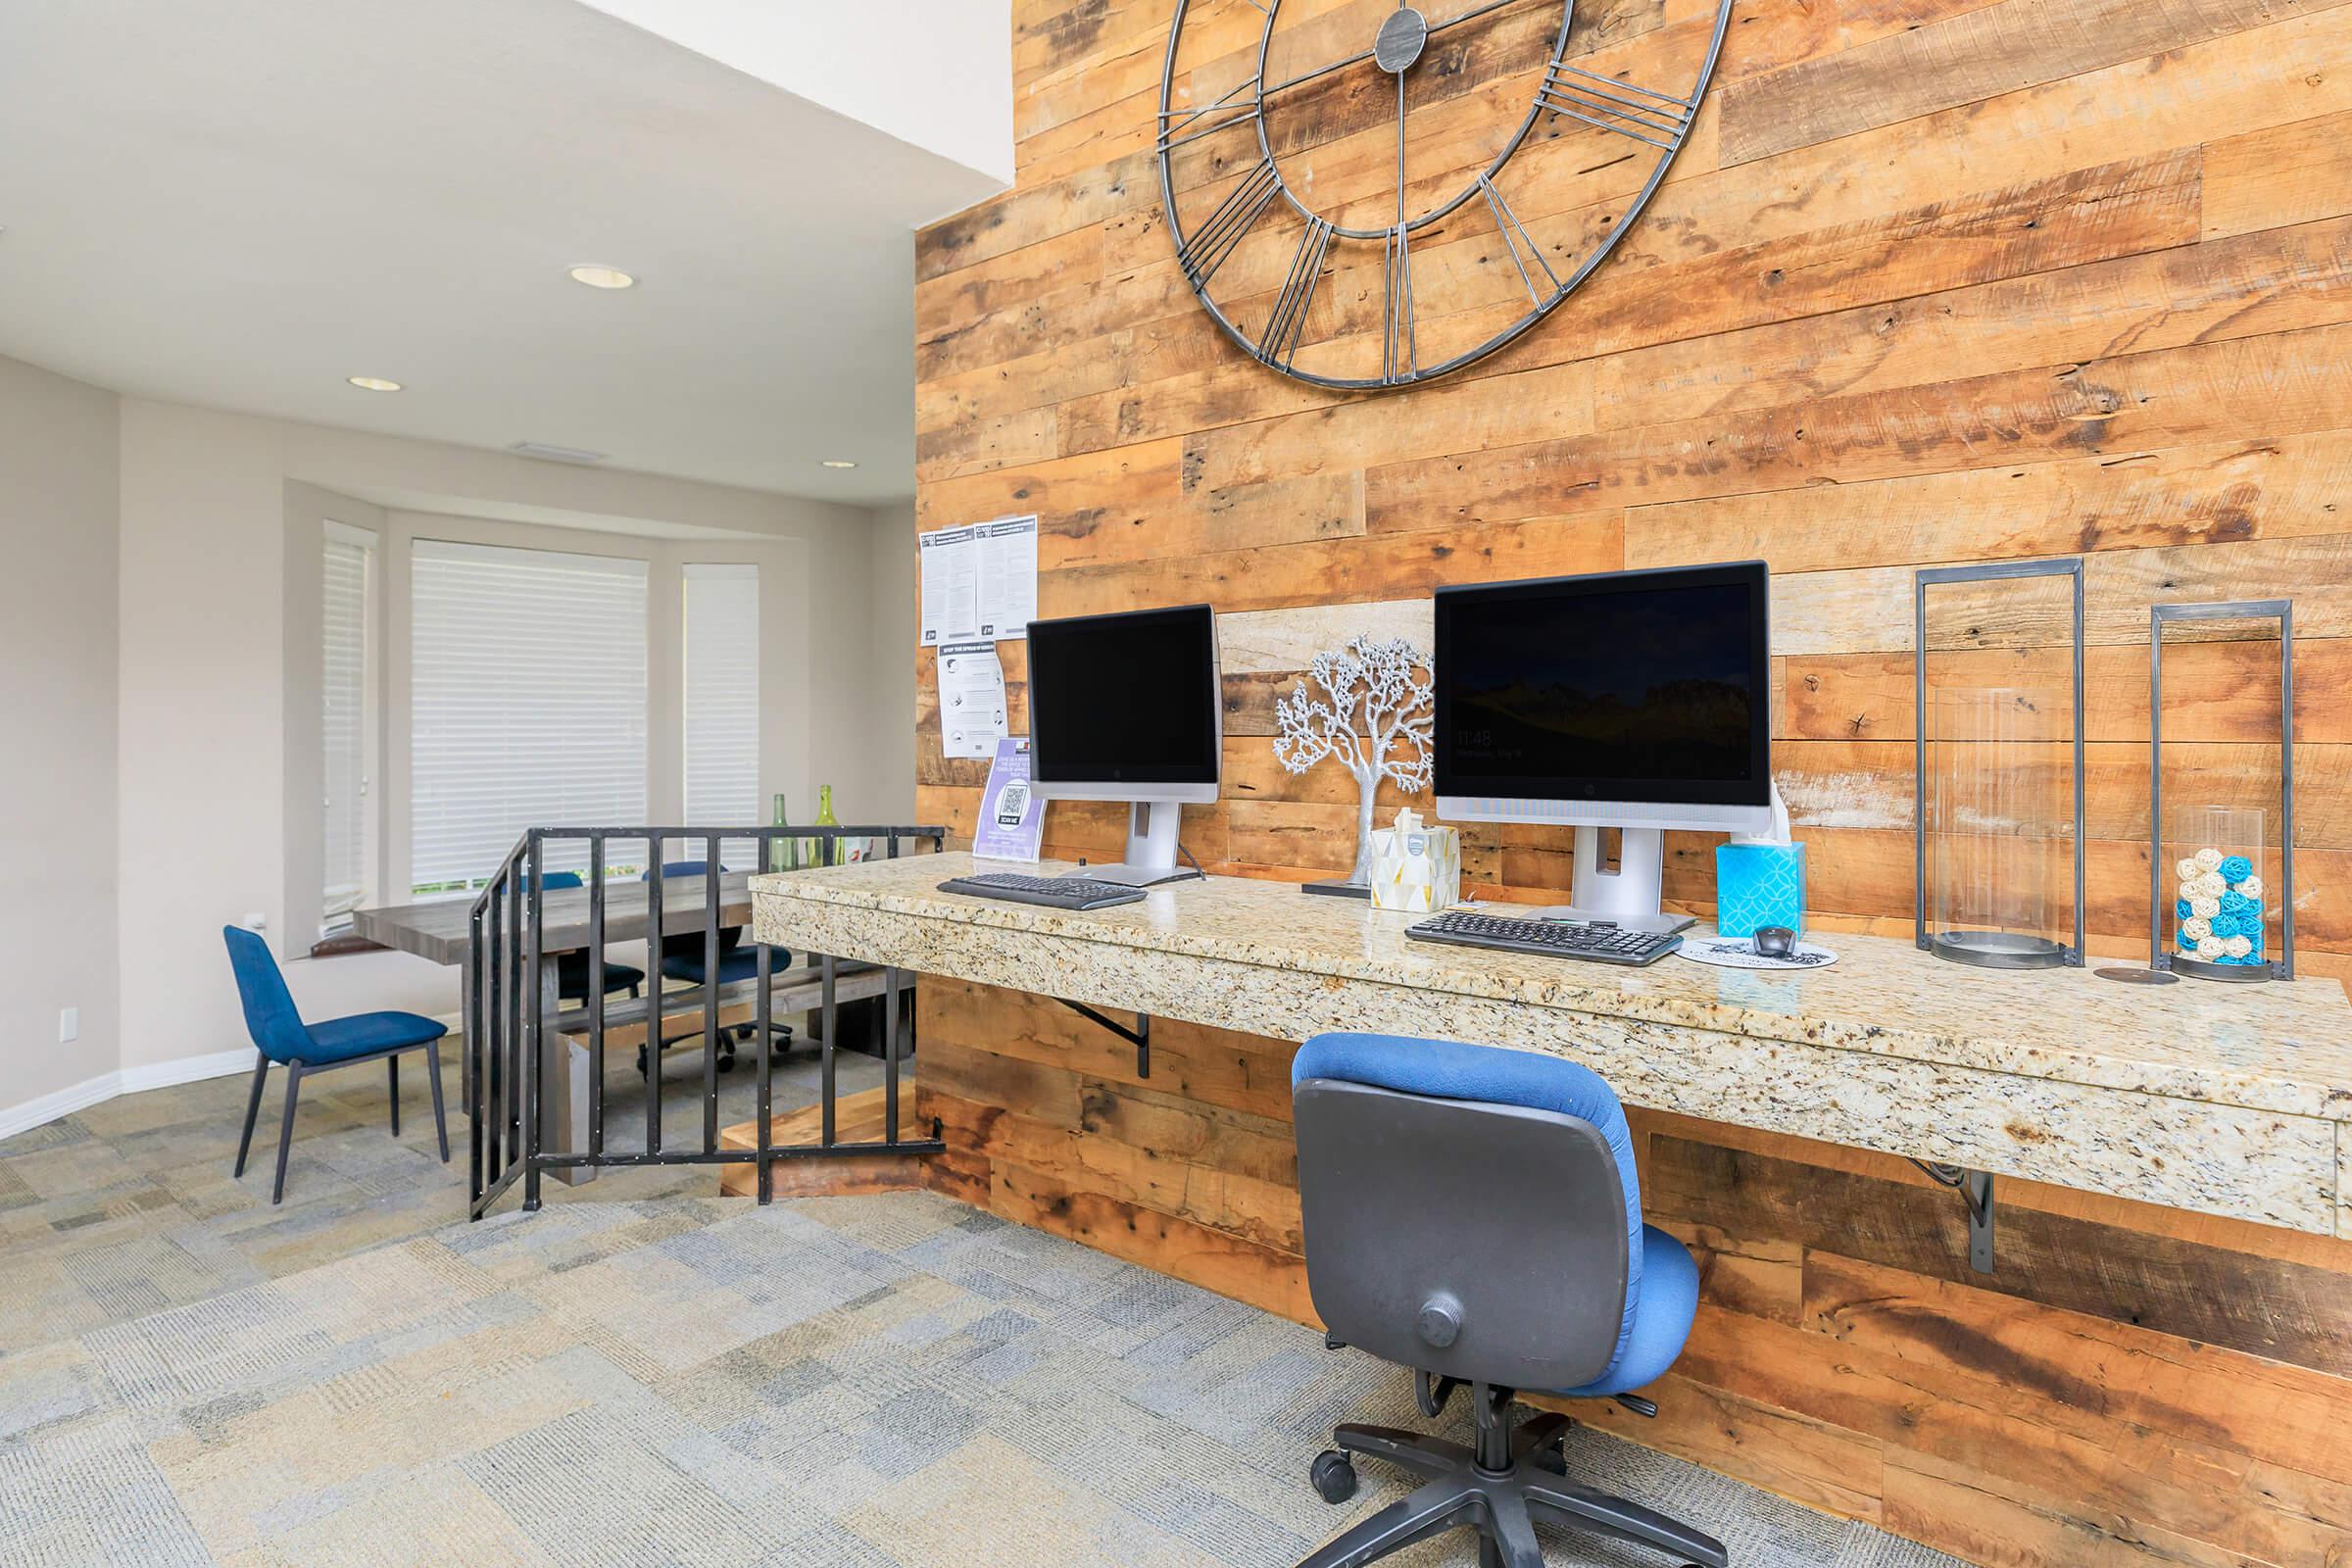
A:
(2278, 1048)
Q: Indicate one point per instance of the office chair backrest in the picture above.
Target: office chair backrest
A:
(690, 945)
(270, 1016)
(1469, 1211)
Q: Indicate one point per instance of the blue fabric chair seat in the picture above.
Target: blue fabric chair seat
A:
(571, 976)
(1661, 1318)
(366, 1033)
(734, 964)
(280, 1037)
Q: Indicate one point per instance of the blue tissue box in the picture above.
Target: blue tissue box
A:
(1759, 885)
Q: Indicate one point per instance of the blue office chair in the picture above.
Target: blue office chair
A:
(682, 960)
(571, 968)
(280, 1036)
(1474, 1214)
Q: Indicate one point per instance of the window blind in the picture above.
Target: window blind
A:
(722, 696)
(343, 725)
(527, 704)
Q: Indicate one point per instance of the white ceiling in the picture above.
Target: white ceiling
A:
(241, 203)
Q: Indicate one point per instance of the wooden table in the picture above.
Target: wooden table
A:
(438, 931)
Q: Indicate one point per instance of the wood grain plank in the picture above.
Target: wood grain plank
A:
(1980, 54)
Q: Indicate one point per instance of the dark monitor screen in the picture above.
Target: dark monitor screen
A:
(1648, 686)
(1125, 699)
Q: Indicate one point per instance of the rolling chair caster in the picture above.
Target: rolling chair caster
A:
(1332, 1475)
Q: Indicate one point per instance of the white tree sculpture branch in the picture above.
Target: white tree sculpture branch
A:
(1385, 682)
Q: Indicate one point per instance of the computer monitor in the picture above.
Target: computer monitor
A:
(1127, 707)
(1632, 700)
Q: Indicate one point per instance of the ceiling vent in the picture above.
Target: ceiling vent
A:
(546, 453)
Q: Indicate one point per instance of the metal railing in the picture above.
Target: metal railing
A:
(517, 1025)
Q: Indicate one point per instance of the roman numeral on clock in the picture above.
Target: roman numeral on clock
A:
(1513, 234)
(1657, 118)
(1288, 322)
(1204, 250)
(1400, 357)
(1231, 109)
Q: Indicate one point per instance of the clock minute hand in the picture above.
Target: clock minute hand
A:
(1435, 27)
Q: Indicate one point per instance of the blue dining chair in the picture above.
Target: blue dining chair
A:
(682, 960)
(280, 1036)
(571, 968)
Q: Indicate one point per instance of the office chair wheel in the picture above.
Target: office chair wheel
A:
(641, 1062)
(1332, 1475)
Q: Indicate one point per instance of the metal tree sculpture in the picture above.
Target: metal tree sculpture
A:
(1374, 706)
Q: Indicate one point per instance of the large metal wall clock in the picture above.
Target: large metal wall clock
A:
(1365, 195)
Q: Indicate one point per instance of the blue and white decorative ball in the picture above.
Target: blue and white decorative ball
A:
(2219, 912)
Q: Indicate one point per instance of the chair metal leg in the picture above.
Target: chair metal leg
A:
(392, 1065)
(1533, 1443)
(252, 1109)
(1512, 1530)
(1435, 1506)
(285, 1130)
(432, 1058)
(1407, 1451)
(1580, 1507)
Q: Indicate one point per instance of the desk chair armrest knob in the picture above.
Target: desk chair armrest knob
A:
(1441, 1321)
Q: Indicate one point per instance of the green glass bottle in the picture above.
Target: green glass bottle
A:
(830, 850)
(783, 854)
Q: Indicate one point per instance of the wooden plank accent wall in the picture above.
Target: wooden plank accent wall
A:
(2131, 1386)
(1932, 281)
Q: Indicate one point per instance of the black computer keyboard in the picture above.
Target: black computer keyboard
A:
(1560, 938)
(1054, 892)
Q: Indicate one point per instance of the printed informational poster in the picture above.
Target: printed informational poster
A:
(972, 699)
(951, 578)
(1007, 576)
(1012, 819)
(978, 581)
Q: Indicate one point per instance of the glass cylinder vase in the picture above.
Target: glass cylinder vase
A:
(1999, 822)
(2221, 907)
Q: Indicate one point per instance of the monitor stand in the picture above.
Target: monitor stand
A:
(1628, 897)
(1152, 849)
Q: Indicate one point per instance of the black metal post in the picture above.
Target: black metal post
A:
(828, 1018)
(762, 1005)
(534, 1039)
(655, 883)
(890, 1060)
(596, 994)
(711, 994)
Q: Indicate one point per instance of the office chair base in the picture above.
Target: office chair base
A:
(1500, 1489)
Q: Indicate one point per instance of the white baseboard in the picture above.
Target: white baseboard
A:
(187, 1069)
(89, 1092)
(61, 1103)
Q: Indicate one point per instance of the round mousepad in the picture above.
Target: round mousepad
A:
(1727, 953)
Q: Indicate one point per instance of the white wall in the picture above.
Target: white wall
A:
(57, 709)
(937, 73)
(203, 732)
(896, 615)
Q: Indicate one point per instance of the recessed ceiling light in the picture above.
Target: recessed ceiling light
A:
(373, 383)
(839, 463)
(603, 278)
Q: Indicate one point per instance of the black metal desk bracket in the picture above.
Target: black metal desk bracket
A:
(1975, 1188)
(1138, 1037)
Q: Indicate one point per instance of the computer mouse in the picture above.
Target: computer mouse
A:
(1774, 942)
